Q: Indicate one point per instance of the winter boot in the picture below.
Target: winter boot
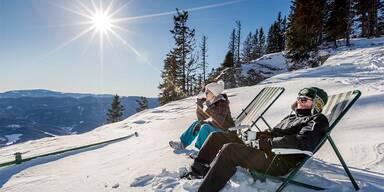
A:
(176, 145)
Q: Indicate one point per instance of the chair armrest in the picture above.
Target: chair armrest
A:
(239, 127)
(287, 151)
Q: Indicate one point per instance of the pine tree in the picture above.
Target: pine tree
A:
(337, 22)
(204, 65)
(304, 32)
(276, 35)
(367, 12)
(142, 104)
(229, 76)
(260, 48)
(171, 88)
(272, 41)
(115, 113)
(283, 28)
(255, 43)
(349, 21)
(185, 41)
(232, 44)
(380, 25)
(247, 49)
(228, 60)
(238, 39)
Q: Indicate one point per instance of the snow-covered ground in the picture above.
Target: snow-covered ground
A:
(268, 65)
(13, 138)
(147, 163)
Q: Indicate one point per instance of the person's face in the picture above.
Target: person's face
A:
(209, 95)
(304, 103)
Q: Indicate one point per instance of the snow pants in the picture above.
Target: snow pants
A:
(205, 129)
(224, 151)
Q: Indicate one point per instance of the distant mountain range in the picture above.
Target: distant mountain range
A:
(33, 114)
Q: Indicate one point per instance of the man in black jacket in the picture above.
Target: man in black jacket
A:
(223, 151)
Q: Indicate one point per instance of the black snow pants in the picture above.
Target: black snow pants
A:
(224, 151)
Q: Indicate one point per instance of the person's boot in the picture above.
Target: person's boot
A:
(176, 145)
(197, 171)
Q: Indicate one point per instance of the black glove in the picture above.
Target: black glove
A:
(265, 145)
(196, 128)
(200, 102)
(263, 135)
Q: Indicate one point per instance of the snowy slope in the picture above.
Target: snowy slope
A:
(146, 163)
(268, 65)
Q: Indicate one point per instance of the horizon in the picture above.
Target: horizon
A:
(39, 48)
(82, 93)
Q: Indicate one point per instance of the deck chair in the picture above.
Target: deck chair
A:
(337, 106)
(256, 109)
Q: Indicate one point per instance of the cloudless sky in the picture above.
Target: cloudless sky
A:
(35, 53)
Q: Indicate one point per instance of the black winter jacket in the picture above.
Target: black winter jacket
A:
(300, 131)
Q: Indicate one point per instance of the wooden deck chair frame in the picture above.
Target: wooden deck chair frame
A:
(257, 108)
(339, 103)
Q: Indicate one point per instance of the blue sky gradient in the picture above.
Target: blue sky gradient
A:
(31, 32)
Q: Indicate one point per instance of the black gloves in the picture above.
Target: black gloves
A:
(265, 144)
(196, 128)
(200, 102)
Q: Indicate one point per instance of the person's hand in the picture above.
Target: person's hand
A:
(265, 145)
(200, 101)
(196, 128)
(263, 135)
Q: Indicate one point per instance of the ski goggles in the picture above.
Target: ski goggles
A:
(304, 98)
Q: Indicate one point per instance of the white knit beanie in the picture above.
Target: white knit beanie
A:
(216, 87)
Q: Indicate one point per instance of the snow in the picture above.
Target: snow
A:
(147, 163)
(50, 134)
(13, 138)
(13, 126)
(268, 65)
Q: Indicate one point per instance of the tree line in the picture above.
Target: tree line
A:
(310, 25)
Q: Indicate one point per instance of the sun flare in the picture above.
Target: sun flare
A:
(101, 21)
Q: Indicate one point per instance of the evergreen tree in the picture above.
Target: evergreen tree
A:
(228, 60)
(115, 113)
(272, 41)
(276, 36)
(349, 21)
(247, 49)
(255, 44)
(232, 44)
(200, 83)
(260, 47)
(238, 39)
(204, 65)
(283, 28)
(185, 41)
(229, 76)
(142, 104)
(170, 89)
(380, 25)
(304, 32)
(367, 13)
(337, 22)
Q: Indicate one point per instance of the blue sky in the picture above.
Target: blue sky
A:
(34, 53)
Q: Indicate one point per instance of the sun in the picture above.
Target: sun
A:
(101, 21)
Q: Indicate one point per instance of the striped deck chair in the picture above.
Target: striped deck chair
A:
(337, 106)
(255, 110)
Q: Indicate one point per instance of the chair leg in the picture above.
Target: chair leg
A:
(266, 123)
(286, 181)
(343, 163)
